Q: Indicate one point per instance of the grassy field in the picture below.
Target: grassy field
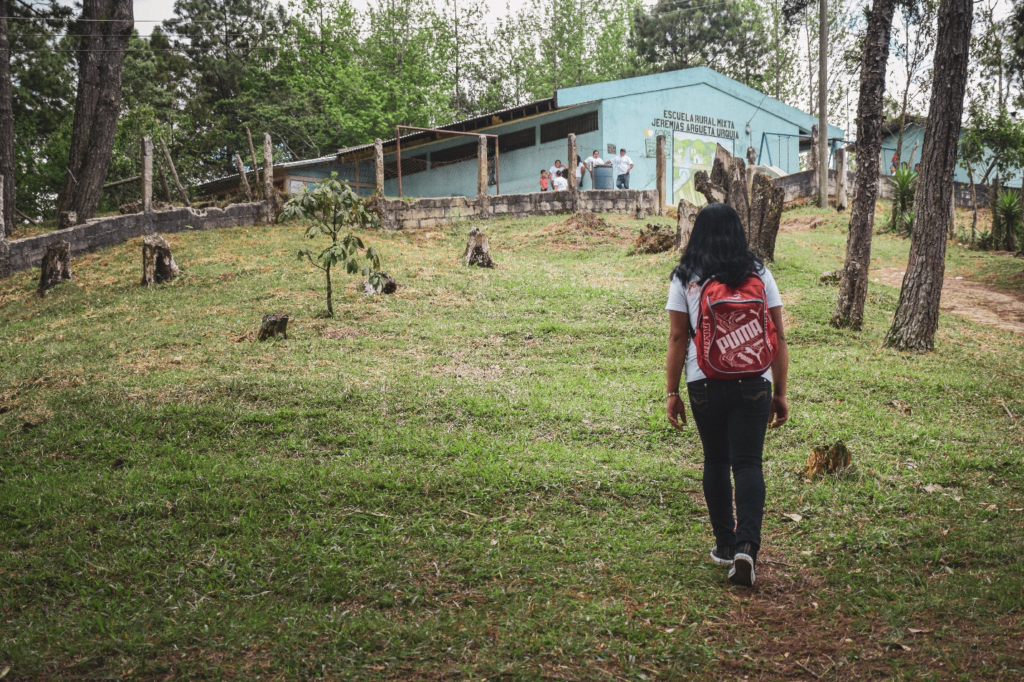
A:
(474, 478)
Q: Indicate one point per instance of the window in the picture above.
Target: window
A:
(559, 130)
(410, 165)
(521, 139)
(444, 157)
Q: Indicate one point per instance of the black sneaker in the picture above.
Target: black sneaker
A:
(722, 555)
(742, 571)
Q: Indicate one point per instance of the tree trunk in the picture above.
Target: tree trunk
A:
(6, 122)
(917, 314)
(105, 28)
(853, 288)
(55, 267)
(174, 173)
(242, 179)
(164, 186)
(766, 203)
(157, 261)
(974, 205)
(822, 150)
(255, 163)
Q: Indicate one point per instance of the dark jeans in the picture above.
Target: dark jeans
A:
(731, 418)
(622, 181)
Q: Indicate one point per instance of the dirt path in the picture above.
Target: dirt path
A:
(971, 300)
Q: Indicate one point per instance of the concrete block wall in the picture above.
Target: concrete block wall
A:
(439, 211)
(98, 233)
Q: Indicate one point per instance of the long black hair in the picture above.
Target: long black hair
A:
(717, 249)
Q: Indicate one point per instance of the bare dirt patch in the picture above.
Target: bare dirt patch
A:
(801, 223)
(973, 301)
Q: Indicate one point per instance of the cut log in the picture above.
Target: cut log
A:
(654, 239)
(478, 250)
(242, 179)
(56, 266)
(687, 214)
(766, 206)
(714, 194)
(157, 261)
(274, 324)
(174, 173)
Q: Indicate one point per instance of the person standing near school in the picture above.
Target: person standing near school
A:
(593, 160)
(561, 184)
(555, 170)
(623, 164)
(725, 313)
(545, 182)
(581, 170)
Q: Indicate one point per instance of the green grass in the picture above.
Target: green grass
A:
(475, 479)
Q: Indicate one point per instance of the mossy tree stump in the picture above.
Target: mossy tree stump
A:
(274, 324)
(157, 261)
(478, 250)
(55, 267)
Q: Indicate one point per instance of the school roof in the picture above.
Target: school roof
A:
(686, 77)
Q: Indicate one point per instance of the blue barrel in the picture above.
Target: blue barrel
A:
(603, 176)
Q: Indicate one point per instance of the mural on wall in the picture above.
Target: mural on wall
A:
(692, 153)
(693, 139)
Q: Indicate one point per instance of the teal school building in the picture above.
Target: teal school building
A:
(695, 109)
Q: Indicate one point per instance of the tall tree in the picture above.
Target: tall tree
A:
(6, 123)
(853, 288)
(105, 27)
(917, 314)
(913, 45)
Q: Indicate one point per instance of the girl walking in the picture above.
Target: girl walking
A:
(726, 329)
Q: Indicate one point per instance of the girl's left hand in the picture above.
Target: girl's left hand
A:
(778, 414)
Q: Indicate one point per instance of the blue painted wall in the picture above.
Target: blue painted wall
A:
(694, 109)
(915, 132)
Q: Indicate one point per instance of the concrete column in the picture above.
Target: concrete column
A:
(378, 163)
(481, 166)
(812, 160)
(573, 161)
(660, 172)
(147, 174)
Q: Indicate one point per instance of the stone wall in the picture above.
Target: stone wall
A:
(962, 192)
(801, 185)
(98, 233)
(398, 214)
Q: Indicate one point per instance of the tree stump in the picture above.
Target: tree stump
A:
(638, 211)
(275, 324)
(766, 204)
(56, 266)
(478, 250)
(654, 239)
(388, 286)
(827, 459)
(67, 219)
(157, 261)
(712, 192)
(687, 214)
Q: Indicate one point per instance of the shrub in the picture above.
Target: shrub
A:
(332, 207)
(1006, 221)
(901, 217)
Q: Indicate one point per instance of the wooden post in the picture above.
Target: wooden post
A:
(174, 173)
(255, 163)
(812, 160)
(241, 175)
(378, 162)
(841, 189)
(268, 177)
(573, 162)
(147, 174)
(660, 172)
(481, 166)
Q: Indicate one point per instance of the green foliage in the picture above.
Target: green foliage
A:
(1006, 221)
(331, 208)
(992, 142)
(900, 218)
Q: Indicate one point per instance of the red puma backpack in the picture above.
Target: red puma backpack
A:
(735, 337)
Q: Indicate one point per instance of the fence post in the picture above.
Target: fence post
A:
(573, 161)
(269, 195)
(481, 166)
(659, 157)
(147, 174)
(378, 163)
(841, 179)
(242, 178)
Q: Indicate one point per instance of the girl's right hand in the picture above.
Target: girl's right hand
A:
(676, 409)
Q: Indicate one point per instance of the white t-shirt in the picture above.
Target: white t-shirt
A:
(561, 184)
(553, 171)
(688, 301)
(590, 161)
(579, 170)
(622, 164)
